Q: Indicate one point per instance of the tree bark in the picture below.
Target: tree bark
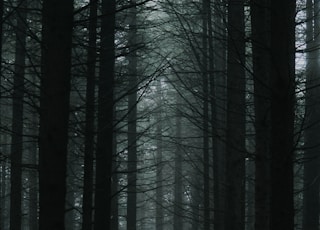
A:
(87, 206)
(205, 119)
(282, 113)
(178, 213)
(159, 163)
(132, 120)
(104, 152)
(312, 114)
(218, 107)
(57, 22)
(33, 177)
(260, 16)
(17, 119)
(236, 110)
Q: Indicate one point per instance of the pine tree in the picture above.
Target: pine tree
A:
(57, 21)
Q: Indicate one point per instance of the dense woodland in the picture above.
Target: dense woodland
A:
(159, 114)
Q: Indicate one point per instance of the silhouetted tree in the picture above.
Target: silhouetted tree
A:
(282, 70)
(57, 23)
(132, 119)
(87, 206)
(17, 118)
(235, 150)
(311, 190)
(104, 151)
(261, 77)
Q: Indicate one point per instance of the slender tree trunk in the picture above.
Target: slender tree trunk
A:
(33, 180)
(104, 152)
(312, 125)
(3, 161)
(235, 154)
(261, 76)
(3, 195)
(70, 196)
(4, 188)
(32, 159)
(195, 224)
(87, 220)
(218, 115)
(132, 120)
(115, 197)
(159, 163)
(205, 125)
(250, 209)
(57, 22)
(282, 113)
(177, 211)
(17, 120)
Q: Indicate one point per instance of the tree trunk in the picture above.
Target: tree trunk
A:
(218, 115)
(115, 197)
(159, 163)
(33, 186)
(3, 196)
(178, 209)
(236, 109)
(261, 77)
(132, 120)
(87, 206)
(17, 119)
(205, 119)
(312, 125)
(32, 156)
(70, 196)
(57, 22)
(104, 152)
(282, 113)
(4, 188)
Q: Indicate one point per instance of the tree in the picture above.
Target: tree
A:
(282, 67)
(17, 119)
(87, 206)
(235, 150)
(218, 107)
(57, 21)
(311, 190)
(132, 119)
(261, 77)
(159, 159)
(104, 151)
(205, 125)
(177, 211)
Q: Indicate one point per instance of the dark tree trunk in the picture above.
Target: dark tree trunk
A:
(70, 196)
(33, 178)
(261, 76)
(17, 120)
(205, 121)
(218, 107)
(4, 187)
(159, 163)
(57, 22)
(3, 196)
(177, 211)
(104, 152)
(87, 206)
(236, 109)
(282, 113)
(132, 120)
(312, 122)
(115, 197)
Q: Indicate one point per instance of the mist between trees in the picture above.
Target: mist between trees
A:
(159, 115)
